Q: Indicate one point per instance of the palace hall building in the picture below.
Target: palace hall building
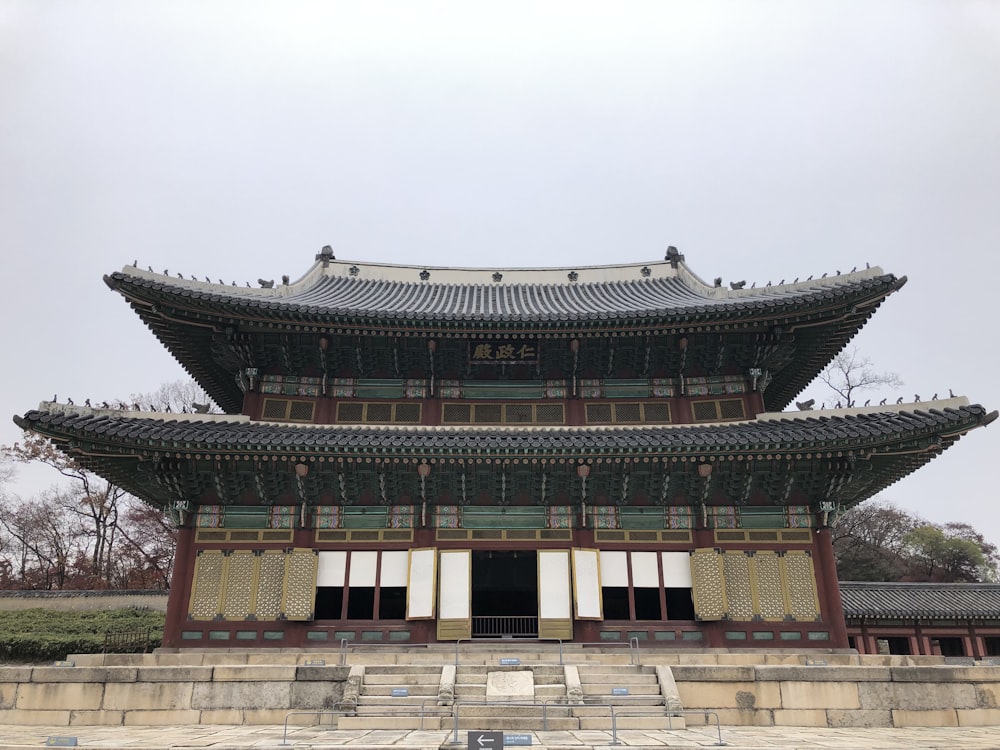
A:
(412, 454)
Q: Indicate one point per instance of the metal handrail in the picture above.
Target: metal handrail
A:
(318, 712)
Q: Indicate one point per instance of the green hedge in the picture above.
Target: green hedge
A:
(45, 635)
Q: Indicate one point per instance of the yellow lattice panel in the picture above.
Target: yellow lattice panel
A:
(708, 584)
(241, 584)
(739, 589)
(770, 594)
(270, 585)
(800, 578)
(206, 590)
(300, 584)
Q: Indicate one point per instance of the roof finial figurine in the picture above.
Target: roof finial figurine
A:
(867, 265)
(810, 278)
(135, 263)
(166, 272)
(753, 285)
(674, 256)
(248, 285)
(882, 402)
(69, 401)
(837, 406)
(899, 400)
(208, 280)
(822, 406)
(823, 276)
(805, 405)
(868, 401)
(105, 405)
(199, 408)
(781, 283)
(737, 284)
(916, 398)
(86, 402)
(150, 268)
(55, 398)
(950, 393)
(221, 282)
(934, 397)
(854, 269)
(718, 281)
(325, 255)
(180, 275)
(266, 284)
(284, 279)
(796, 280)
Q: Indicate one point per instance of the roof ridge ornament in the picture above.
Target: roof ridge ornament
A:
(325, 255)
(674, 256)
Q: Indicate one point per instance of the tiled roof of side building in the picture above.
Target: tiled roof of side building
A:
(920, 600)
(346, 289)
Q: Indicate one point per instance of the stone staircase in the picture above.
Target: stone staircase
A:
(635, 692)
(401, 696)
(520, 695)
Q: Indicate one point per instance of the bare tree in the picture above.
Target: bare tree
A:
(851, 373)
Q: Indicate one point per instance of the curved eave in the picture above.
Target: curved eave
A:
(669, 301)
(823, 316)
(891, 443)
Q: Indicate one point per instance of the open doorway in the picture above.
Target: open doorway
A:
(505, 594)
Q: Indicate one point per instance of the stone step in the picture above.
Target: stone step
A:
(521, 724)
(600, 707)
(606, 689)
(392, 669)
(386, 690)
(400, 709)
(465, 670)
(394, 722)
(633, 722)
(402, 679)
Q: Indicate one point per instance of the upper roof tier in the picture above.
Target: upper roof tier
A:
(335, 291)
(361, 313)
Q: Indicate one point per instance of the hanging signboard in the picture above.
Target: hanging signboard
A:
(497, 351)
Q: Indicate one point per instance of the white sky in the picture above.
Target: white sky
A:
(765, 140)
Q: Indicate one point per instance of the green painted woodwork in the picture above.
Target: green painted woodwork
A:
(365, 517)
(245, 517)
(640, 518)
(493, 517)
(762, 518)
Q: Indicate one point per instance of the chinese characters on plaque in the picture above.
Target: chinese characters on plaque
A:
(503, 351)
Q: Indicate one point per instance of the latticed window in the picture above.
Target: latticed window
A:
(519, 413)
(629, 412)
(378, 412)
(718, 410)
(288, 410)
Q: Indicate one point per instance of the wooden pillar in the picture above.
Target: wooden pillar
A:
(832, 605)
(180, 588)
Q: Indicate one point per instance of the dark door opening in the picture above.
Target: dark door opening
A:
(505, 594)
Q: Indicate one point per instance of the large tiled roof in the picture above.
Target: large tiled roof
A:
(865, 450)
(796, 431)
(387, 293)
(920, 600)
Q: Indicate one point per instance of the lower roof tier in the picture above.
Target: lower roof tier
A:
(834, 457)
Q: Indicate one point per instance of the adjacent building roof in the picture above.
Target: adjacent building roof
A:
(920, 600)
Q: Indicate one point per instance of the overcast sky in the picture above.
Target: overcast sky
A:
(767, 141)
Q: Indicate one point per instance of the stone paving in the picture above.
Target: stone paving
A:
(220, 737)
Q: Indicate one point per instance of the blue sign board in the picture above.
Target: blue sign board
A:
(517, 739)
(509, 661)
(619, 691)
(316, 663)
(400, 692)
(60, 742)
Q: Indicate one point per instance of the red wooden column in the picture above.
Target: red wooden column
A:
(180, 588)
(833, 605)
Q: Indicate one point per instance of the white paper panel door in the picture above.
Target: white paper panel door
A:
(331, 568)
(644, 572)
(455, 595)
(393, 570)
(421, 584)
(362, 572)
(676, 570)
(587, 584)
(555, 607)
(614, 568)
